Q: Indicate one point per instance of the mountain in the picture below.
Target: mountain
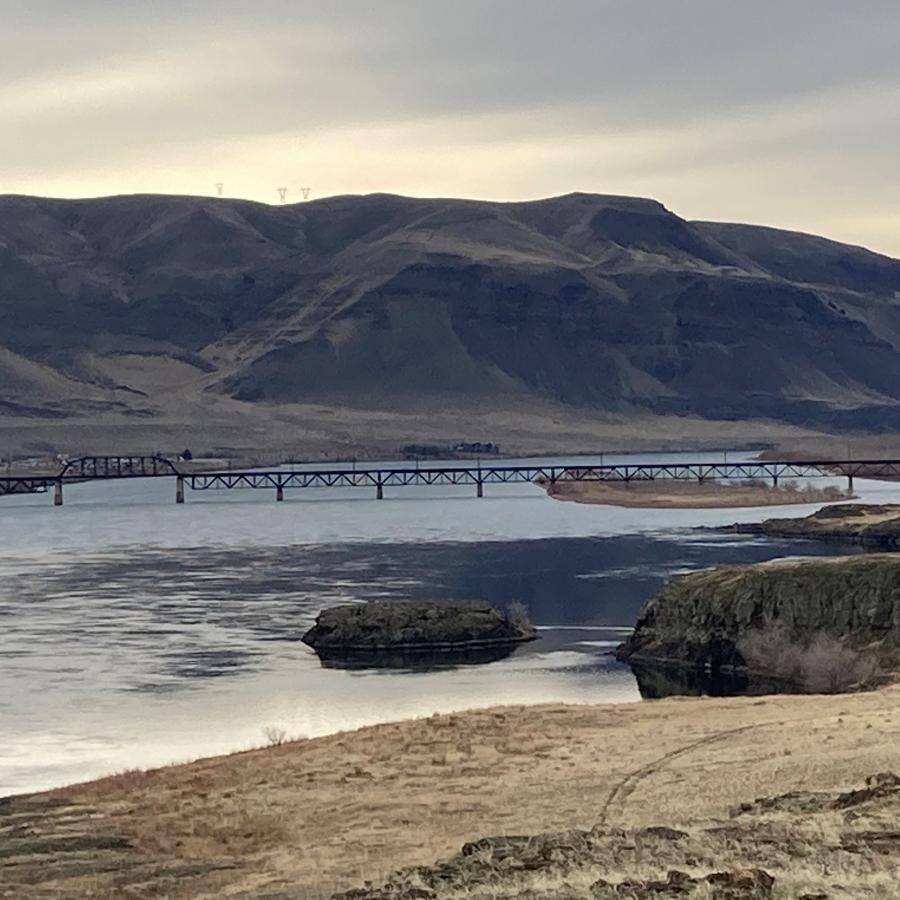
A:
(126, 308)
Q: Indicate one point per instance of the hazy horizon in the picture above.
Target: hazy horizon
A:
(312, 199)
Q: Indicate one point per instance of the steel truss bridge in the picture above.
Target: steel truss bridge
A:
(89, 468)
(102, 468)
(479, 475)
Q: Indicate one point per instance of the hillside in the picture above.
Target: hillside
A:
(132, 311)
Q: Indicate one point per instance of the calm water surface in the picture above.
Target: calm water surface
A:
(134, 632)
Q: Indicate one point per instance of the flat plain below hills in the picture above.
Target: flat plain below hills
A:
(259, 433)
(309, 818)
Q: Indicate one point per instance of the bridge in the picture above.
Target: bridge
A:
(102, 468)
(92, 468)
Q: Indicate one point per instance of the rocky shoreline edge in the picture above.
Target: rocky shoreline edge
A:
(868, 525)
(409, 627)
(820, 624)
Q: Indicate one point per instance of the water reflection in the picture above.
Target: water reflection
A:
(160, 620)
(413, 660)
(658, 681)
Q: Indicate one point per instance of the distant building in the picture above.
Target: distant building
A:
(445, 451)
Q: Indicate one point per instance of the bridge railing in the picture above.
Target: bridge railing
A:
(88, 468)
(388, 476)
(102, 467)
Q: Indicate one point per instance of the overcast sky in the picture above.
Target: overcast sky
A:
(780, 112)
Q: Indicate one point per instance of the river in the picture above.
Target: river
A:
(134, 632)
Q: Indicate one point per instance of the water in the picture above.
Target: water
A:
(134, 632)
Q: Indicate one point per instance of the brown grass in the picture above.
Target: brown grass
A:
(670, 494)
(311, 817)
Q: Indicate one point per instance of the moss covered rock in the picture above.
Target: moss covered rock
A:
(699, 618)
(399, 625)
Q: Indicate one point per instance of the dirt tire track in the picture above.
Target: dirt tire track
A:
(626, 786)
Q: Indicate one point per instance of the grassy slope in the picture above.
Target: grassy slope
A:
(308, 818)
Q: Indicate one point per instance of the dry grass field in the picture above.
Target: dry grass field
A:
(221, 427)
(667, 494)
(307, 819)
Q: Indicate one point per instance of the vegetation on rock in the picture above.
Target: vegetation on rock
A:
(822, 609)
(401, 625)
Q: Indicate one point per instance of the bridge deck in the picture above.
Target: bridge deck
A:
(102, 468)
(390, 476)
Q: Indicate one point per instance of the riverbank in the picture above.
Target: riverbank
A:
(872, 525)
(669, 494)
(309, 818)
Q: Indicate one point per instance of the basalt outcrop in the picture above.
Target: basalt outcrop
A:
(858, 523)
(390, 626)
(758, 852)
(701, 618)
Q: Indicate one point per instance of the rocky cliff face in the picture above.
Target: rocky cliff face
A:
(700, 618)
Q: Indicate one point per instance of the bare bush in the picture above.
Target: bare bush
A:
(517, 614)
(831, 667)
(771, 651)
(823, 665)
(275, 737)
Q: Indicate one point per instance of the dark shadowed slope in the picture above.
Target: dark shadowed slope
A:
(609, 303)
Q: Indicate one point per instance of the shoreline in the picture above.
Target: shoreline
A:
(362, 804)
(871, 525)
(662, 494)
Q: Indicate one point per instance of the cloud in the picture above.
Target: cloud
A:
(771, 112)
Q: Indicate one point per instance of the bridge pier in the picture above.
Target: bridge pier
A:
(849, 482)
(774, 481)
(58, 493)
(479, 489)
(179, 489)
(279, 493)
(379, 491)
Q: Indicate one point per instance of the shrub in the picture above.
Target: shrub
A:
(517, 614)
(831, 667)
(275, 737)
(823, 665)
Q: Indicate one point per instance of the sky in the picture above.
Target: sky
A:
(776, 112)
